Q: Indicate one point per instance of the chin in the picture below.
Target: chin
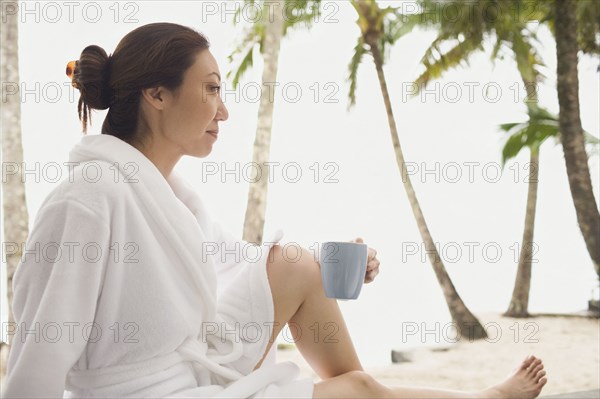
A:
(200, 153)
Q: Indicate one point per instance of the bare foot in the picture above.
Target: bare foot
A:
(525, 382)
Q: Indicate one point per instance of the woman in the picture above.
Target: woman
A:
(149, 301)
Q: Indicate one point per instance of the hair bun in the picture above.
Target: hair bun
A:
(92, 77)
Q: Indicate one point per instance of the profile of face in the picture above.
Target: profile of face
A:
(186, 121)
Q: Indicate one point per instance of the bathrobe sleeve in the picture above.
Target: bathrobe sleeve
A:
(231, 254)
(56, 289)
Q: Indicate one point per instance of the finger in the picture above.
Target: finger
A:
(374, 264)
(359, 240)
(376, 272)
(371, 276)
(368, 279)
(372, 254)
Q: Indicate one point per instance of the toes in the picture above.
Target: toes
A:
(527, 362)
(540, 374)
(536, 368)
(536, 363)
(542, 382)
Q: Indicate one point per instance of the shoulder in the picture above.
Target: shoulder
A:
(94, 185)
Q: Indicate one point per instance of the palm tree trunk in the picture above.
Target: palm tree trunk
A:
(466, 322)
(16, 219)
(520, 297)
(257, 196)
(571, 131)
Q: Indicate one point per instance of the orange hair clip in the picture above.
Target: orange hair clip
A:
(71, 71)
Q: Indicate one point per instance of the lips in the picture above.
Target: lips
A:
(214, 133)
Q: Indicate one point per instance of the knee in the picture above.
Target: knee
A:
(295, 262)
(366, 384)
(353, 384)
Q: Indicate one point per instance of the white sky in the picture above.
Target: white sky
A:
(478, 211)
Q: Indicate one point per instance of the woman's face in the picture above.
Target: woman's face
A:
(195, 109)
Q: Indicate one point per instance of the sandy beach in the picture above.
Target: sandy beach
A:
(569, 347)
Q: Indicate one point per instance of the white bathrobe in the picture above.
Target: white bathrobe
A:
(127, 288)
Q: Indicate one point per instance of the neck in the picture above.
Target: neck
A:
(163, 156)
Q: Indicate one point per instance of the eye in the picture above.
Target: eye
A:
(215, 88)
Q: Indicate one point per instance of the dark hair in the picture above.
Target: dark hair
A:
(156, 54)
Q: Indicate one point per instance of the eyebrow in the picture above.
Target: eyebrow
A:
(215, 73)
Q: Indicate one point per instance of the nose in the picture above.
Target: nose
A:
(222, 113)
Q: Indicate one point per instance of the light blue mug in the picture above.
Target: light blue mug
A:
(343, 268)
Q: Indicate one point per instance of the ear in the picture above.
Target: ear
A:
(155, 96)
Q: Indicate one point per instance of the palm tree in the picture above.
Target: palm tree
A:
(380, 28)
(531, 134)
(584, 20)
(506, 29)
(266, 33)
(572, 137)
(16, 219)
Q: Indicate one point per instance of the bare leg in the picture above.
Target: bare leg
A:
(299, 298)
(526, 382)
(315, 321)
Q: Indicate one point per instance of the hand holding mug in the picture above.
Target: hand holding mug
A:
(372, 262)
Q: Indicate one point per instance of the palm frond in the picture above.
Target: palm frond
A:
(238, 11)
(250, 37)
(531, 134)
(301, 14)
(401, 25)
(513, 146)
(359, 52)
(246, 63)
(588, 26)
(254, 34)
(527, 58)
(590, 139)
(495, 55)
(508, 127)
(592, 144)
(459, 54)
